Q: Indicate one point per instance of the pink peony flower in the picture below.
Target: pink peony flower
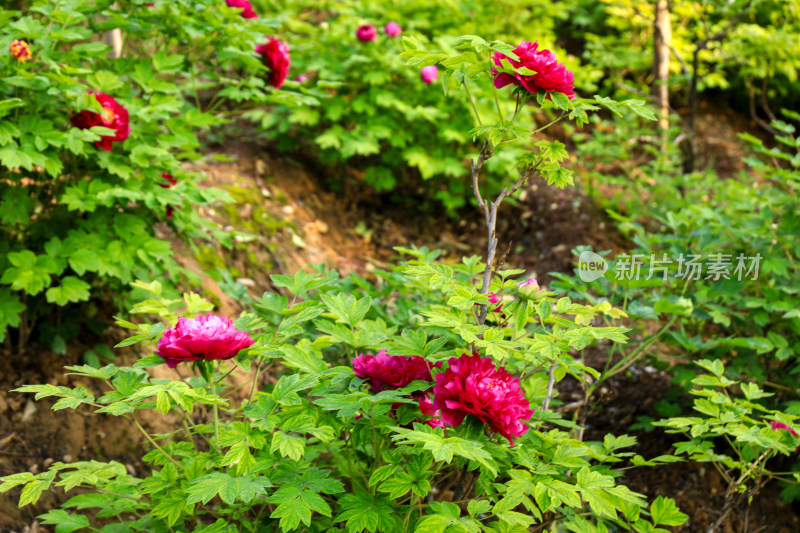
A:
(780, 425)
(205, 337)
(21, 50)
(529, 281)
(473, 386)
(429, 74)
(386, 372)
(302, 78)
(113, 116)
(276, 58)
(550, 75)
(426, 406)
(247, 8)
(392, 29)
(367, 33)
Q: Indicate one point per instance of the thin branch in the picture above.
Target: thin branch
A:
(550, 382)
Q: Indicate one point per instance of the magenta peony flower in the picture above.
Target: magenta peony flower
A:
(247, 8)
(426, 406)
(550, 75)
(276, 57)
(429, 74)
(392, 29)
(386, 372)
(493, 299)
(366, 33)
(21, 50)
(113, 116)
(205, 337)
(780, 425)
(473, 386)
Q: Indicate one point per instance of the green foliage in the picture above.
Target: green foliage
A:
(394, 132)
(317, 449)
(76, 220)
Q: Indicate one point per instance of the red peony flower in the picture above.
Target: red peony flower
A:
(205, 337)
(426, 406)
(387, 372)
(21, 50)
(367, 33)
(247, 8)
(429, 74)
(276, 58)
(550, 75)
(473, 386)
(392, 29)
(780, 425)
(113, 116)
(171, 181)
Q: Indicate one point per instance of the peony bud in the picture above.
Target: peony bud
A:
(429, 74)
(529, 287)
(367, 33)
(392, 29)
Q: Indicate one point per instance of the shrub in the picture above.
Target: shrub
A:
(91, 146)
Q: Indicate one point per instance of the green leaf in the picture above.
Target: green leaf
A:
(346, 307)
(290, 446)
(72, 289)
(10, 310)
(287, 387)
(664, 511)
(560, 100)
(83, 260)
(362, 511)
(30, 272)
(229, 488)
(64, 521)
(163, 62)
(641, 108)
(12, 157)
(476, 507)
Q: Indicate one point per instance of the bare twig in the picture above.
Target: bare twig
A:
(550, 382)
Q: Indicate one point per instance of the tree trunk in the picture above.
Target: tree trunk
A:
(661, 42)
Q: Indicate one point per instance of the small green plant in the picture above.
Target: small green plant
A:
(736, 434)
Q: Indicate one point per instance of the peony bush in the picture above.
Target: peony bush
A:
(414, 402)
(92, 148)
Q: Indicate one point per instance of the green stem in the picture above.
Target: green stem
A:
(216, 409)
(155, 444)
(549, 124)
(497, 105)
(472, 103)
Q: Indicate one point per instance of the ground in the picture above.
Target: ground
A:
(287, 221)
